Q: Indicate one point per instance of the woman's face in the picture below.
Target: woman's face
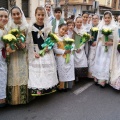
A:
(63, 30)
(71, 26)
(16, 15)
(107, 19)
(95, 20)
(48, 8)
(3, 18)
(78, 23)
(85, 18)
(40, 15)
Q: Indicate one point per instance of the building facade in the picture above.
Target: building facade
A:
(76, 7)
(28, 6)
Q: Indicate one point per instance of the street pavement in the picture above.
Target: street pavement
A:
(90, 103)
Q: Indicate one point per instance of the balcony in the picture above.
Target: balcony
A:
(75, 2)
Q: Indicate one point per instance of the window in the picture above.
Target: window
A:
(4, 3)
(108, 2)
(25, 7)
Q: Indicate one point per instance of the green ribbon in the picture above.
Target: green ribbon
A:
(83, 40)
(48, 43)
(12, 46)
(21, 38)
(68, 47)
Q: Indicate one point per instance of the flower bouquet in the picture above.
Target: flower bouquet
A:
(85, 38)
(68, 46)
(94, 33)
(49, 43)
(106, 32)
(10, 40)
(18, 34)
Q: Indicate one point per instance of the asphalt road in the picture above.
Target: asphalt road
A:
(93, 103)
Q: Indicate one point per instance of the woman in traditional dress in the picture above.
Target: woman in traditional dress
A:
(85, 24)
(80, 59)
(17, 92)
(101, 68)
(3, 64)
(42, 69)
(65, 70)
(87, 28)
(95, 23)
(115, 63)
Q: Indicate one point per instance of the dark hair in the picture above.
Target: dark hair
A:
(70, 22)
(39, 8)
(85, 13)
(61, 25)
(58, 9)
(108, 13)
(14, 8)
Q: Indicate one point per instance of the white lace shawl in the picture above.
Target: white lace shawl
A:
(29, 40)
(115, 60)
(114, 73)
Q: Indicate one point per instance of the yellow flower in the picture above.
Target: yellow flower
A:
(85, 34)
(107, 30)
(9, 37)
(69, 40)
(13, 30)
(94, 29)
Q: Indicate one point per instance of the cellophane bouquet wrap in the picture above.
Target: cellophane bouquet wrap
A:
(94, 33)
(10, 41)
(49, 43)
(106, 32)
(85, 38)
(68, 46)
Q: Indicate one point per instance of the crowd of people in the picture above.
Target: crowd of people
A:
(29, 74)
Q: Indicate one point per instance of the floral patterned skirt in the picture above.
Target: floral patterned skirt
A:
(18, 95)
(17, 89)
(37, 92)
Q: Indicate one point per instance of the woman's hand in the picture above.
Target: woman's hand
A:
(47, 50)
(78, 50)
(110, 43)
(8, 49)
(22, 45)
(37, 55)
(67, 51)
